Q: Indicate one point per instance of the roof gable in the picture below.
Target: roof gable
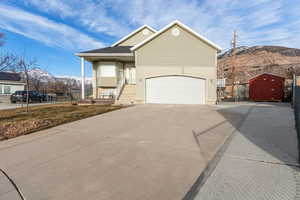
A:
(265, 74)
(132, 34)
(208, 42)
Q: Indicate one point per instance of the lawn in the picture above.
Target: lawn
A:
(16, 122)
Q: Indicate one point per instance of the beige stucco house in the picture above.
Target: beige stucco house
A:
(9, 83)
(175, 65)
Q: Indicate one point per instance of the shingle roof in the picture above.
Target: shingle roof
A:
(116, 49)
(7, 76)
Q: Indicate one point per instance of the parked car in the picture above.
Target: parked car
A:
(44, 97)
(21, 95)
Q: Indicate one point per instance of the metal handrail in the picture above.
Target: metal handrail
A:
(120, 87)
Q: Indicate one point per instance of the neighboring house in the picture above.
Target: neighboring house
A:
(9, 83)
(172, 66)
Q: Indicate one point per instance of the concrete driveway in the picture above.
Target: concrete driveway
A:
(261, 161)
(142, 152)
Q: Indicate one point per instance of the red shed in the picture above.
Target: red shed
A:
(266, 87)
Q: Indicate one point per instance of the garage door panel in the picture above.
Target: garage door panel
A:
(175, 90)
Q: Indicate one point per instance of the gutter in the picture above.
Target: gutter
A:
(12, 83)
(104, 54)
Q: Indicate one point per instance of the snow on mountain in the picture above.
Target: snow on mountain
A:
(285, 51)
(238, 50)
(45, 76)
(88, 80)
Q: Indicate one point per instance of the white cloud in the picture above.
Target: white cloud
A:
(44, 30)
(53, 5)
(259, 22)
(93, 15)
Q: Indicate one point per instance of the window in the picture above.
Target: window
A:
(108, 71)
(0, 89)
(175, 32)
(6, 89)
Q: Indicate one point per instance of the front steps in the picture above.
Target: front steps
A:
(128, 95)
(96, 101)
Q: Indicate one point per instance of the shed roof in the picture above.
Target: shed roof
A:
(8, 76)
(268, 74)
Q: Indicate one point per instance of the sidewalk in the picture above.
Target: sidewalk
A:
(260, 161)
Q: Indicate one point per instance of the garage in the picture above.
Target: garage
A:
(266, 87)
(175, 90)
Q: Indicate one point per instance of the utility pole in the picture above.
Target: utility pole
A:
(233, 54)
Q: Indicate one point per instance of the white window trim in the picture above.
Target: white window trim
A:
(9, 89)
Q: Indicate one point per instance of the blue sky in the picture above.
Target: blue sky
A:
(53, 30)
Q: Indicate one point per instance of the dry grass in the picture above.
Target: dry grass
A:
(16, 122)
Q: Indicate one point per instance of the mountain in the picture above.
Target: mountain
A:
(45, 77)
(88, 80)
(40, 74)
(253, 61)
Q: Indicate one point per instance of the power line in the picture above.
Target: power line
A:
(233, 60)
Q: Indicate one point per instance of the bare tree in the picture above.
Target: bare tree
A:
(24, 67)
(8, 62)
(1, 39)
(35, 82)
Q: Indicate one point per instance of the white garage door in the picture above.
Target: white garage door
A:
(175, 90)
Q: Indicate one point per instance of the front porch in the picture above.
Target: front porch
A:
(113, 77)
(114, 80)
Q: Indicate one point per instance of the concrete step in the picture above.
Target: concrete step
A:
(130, 97)
(125, 102)
(128, 94)
(129, 89)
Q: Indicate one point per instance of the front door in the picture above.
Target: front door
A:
(130, 74)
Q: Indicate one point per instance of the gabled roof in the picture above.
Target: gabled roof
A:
(265, 73)
(176, 22)
(8, 76)
(132, 33)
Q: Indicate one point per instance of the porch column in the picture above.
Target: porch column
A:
(82, 79)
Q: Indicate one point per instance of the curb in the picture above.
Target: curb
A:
(211, 165)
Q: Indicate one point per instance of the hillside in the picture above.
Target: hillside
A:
(252, 61)
(45, 76)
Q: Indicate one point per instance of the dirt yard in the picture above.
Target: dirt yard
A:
(16, 122)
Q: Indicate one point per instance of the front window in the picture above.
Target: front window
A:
(108, 71)
(6, 89)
